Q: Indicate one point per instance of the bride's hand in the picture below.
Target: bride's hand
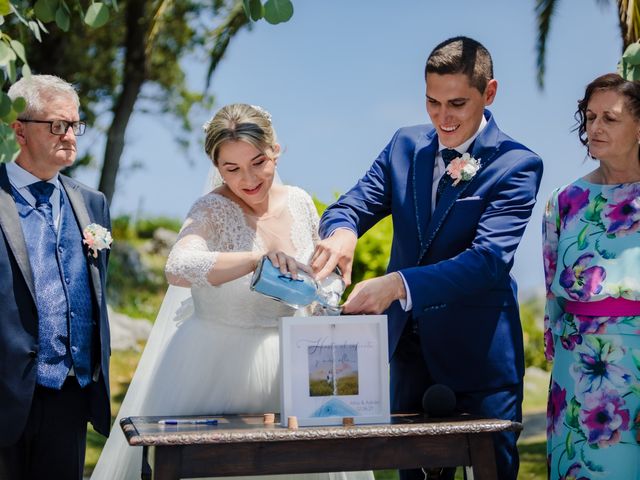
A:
(287, 264)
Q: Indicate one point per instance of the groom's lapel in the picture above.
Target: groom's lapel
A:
(82, 216)
(12, 228)
(485, 149)
(423, 161)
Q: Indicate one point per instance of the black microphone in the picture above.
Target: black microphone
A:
(439, 401)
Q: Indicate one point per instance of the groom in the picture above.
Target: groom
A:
(54, 335)
(460, 193)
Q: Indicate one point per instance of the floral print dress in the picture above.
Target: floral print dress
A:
(591, 249)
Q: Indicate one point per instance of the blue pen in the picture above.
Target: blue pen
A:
(188, 421)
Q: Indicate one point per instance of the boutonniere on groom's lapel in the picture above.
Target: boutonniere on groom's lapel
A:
(96, 238)
(463, 168)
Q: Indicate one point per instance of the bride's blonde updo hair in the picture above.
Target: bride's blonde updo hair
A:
(239, 122)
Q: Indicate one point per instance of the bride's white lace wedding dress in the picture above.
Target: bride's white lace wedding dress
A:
(214, 350)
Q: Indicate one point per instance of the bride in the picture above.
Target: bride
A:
(214, 346)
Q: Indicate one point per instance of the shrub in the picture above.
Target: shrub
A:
(531, 315)
(146, 226)
(120, 227)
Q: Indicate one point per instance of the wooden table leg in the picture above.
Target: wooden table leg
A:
(167, 463)
(145, 474)
(483, 459)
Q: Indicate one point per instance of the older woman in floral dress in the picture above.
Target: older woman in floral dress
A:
(592, 319)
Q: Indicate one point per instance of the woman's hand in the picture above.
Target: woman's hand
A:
(287, 264)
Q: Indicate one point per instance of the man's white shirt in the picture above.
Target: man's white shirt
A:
(21, 179)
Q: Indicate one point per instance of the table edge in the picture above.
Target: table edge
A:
(135, 438)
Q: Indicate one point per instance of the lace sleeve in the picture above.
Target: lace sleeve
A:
(191, 258)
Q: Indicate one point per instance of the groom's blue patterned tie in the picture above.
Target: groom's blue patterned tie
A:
(448, 154)
(42, 193)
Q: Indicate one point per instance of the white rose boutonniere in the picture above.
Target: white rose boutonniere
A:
(463, 168)
(96, 238)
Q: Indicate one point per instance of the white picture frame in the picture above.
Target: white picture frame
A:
(334, 367)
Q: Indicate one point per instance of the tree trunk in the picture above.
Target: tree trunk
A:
(134, 76)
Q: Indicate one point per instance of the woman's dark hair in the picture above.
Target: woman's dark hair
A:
(608, 82)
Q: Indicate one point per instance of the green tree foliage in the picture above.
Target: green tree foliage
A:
(134, 64)
(273, 11)
(137, 56)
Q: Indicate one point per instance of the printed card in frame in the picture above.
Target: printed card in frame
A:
(334, 367)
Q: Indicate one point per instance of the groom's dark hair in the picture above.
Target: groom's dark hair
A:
(462, 55)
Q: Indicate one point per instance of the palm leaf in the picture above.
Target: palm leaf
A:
(159, 10)
(236, 19)
(629, 18)
(544, 12)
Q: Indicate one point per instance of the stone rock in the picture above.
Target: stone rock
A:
(130, 260)
(535, 376)
(126, 332)
(162, 241)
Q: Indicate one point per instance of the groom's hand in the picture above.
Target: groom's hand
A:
(374, 296)
(336, 250)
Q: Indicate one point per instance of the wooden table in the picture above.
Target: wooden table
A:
(244, 445)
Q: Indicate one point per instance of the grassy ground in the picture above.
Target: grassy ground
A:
(533, 455)
(123, 364)
(532, 464)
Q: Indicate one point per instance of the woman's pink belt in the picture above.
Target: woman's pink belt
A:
(609, 307)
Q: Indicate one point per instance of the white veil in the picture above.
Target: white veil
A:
(118, 459)
(214, 180)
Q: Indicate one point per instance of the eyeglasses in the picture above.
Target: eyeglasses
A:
(60, 127)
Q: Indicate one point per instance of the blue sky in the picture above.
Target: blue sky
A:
(340, 77)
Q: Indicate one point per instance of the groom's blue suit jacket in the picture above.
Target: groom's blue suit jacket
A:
(19, 316)
(456, 261)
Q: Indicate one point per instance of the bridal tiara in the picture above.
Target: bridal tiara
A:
(261, 111)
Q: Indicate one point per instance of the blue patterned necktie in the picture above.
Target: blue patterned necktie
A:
(51, 300)
(448, 154)
(42, 193)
